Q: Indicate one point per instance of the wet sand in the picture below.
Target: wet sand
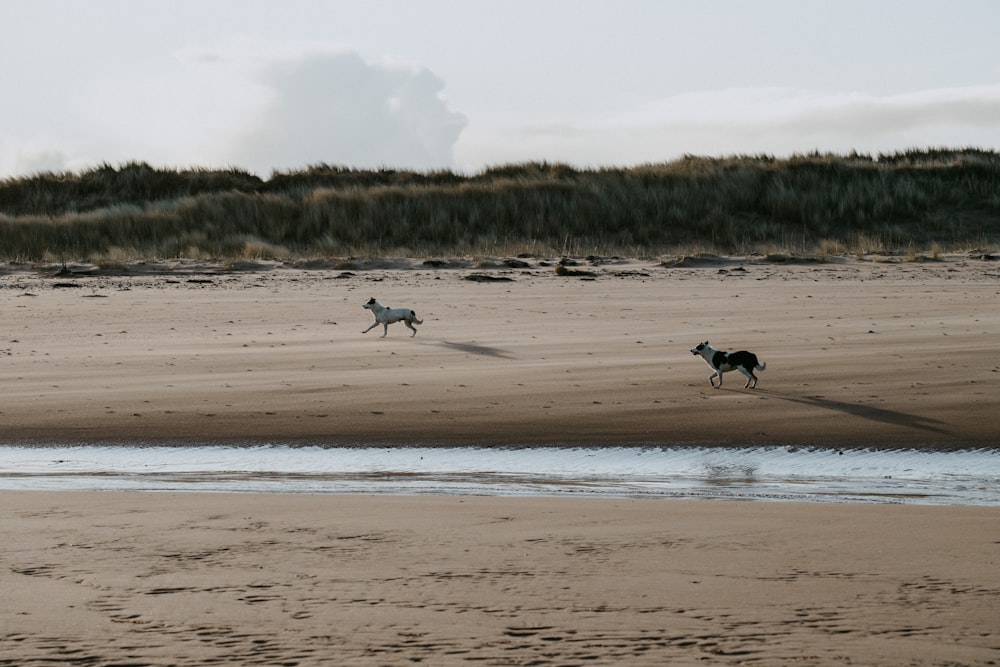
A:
(858, 353)
(190, 579)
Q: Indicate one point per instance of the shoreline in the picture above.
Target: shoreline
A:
(763, 474)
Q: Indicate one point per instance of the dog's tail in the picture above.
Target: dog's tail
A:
(413, 314)
(762, 366)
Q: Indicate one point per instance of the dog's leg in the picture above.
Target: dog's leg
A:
(751, 378)
(385, 329)
(374, 324)
(711, 379)
(412, 328)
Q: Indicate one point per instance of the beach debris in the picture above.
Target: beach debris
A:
(487, 278)
(561, 270)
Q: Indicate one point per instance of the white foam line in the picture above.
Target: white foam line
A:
(929, 476)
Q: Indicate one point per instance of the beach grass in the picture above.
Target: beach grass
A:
(910, 203)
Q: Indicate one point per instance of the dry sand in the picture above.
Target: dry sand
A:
(858, 353)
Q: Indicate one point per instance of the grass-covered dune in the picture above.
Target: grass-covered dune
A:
(944, 199)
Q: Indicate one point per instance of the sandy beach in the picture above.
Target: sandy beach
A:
(858, 353)
(888, 353)
(280, 579)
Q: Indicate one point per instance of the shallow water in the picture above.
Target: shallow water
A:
(966, 477)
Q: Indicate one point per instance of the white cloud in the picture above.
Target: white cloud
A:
(248, 106)
(336, 107)
(265, 106)
(777, 121)
(30, 155)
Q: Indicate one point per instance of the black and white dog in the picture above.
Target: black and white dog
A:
(723, 362)
(386, 316)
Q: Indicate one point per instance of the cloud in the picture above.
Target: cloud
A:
(268, 106)
(778, 121)
(246, 105)
(335, 107)
(755, 108)
(30, 155)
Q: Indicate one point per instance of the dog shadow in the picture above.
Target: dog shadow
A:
(869, 412)
(472, 348)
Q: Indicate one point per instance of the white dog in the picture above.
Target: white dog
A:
(723, 362)
(386, 316)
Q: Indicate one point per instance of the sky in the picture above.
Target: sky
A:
(268, 86)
